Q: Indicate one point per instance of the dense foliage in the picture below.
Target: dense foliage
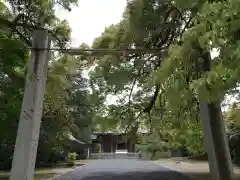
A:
(66, 89)
(157, 91)
(161, 89)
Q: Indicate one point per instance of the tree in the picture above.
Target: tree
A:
(140, 96)
(79, 99)
(163, 87)
(16, 24)
(56, 121)
(23, 17)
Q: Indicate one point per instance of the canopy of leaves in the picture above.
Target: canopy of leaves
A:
(18, 19)
(162, 88)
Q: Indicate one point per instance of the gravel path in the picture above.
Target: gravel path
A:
(122, 170)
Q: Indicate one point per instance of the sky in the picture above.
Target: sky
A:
(90, 18)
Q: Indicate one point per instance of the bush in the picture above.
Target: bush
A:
(6, 155)
(71, 159)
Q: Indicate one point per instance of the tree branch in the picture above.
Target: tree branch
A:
(154, 98)
(15, 24)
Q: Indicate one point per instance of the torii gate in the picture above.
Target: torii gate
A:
(24, 158)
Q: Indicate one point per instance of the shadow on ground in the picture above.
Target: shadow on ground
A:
(154, 175)
(199, 176)
(203, 175)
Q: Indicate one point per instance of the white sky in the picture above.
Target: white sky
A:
(90, 18)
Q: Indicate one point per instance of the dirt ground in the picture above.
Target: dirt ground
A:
(197, 170)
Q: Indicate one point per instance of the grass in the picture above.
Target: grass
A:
(198, 170)
(43, 173)
(37, 177)
(204, 175)
(39, 174)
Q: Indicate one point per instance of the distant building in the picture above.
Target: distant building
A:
(104, 142)
(111, 142)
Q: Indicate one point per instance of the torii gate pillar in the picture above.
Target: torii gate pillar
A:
(215, 139)
(24, 157)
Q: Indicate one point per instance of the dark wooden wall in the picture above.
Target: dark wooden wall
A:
(109, 143)
(130, 146)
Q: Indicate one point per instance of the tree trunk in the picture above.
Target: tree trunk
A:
(215, 136)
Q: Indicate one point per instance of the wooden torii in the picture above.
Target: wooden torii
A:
(24, 157)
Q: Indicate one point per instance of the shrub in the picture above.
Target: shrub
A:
(71, 159)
